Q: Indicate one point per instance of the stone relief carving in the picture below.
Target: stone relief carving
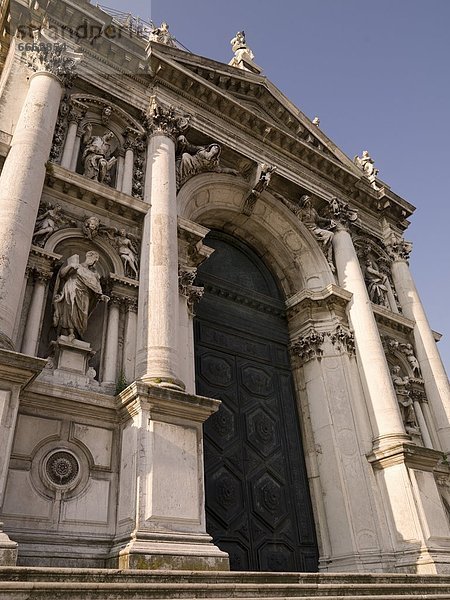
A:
(376, 282)
(106, 115)
(162, 35)
(50, 219)
(408, 350)
(367, 165)
(60, 130)
(50, 56)
(96, 157)
(77, 292)
(126, 245)
(319, 226)
(193, 293)
(264, 176)
(192, 160)
(402, 390)
(398, 248)
(308, 346)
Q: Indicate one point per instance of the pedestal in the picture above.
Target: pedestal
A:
(70, 363)
(161, 517)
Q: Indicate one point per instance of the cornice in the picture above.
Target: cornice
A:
(19, 369)
(415, 457)
(391, 320)
(327, 297)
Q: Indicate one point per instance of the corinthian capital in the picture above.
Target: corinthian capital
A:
(46, 55)
(164, 120)
(399, 249)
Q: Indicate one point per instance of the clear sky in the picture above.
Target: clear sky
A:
(377, 75)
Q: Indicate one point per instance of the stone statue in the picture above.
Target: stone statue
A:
(242, 52)
(162, 35)
(91, 227)
(401, 385)
(47, 223)
(367, 164)
(78, 291)
(97, 160)
(376, 284)
(127, 252)
(408, 351)
(319, 226)
(191, 160)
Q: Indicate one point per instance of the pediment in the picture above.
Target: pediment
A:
(249, 98)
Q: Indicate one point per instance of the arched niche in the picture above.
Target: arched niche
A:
(273, 231)
(66, 243)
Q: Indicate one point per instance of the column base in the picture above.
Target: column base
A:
(169, 552)
(8, 550)
(165, 382)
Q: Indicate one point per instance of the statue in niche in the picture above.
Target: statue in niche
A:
(191, 160)
(319, 226)
(47, 223)
(97, 159)
(78, 291)
(376, 284)
(408, 351)
(125, 244)
(401, 387)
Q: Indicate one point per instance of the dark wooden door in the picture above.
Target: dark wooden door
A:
(257, 498)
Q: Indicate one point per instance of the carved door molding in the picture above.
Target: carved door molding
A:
(257, 496)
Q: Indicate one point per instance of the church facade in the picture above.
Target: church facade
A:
(213, 355)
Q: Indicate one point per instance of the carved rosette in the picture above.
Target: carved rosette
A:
(47, 56)
(343, 339)
(192, 293)
(309, 346)
(164, 120)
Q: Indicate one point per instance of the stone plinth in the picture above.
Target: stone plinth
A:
(161, 517)
(70, 363)
(8, 550)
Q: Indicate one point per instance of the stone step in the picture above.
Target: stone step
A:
(28, 583)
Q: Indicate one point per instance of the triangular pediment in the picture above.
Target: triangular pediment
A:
(248, 98)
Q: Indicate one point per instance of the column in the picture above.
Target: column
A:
(422, 424)
(432, 368)
(127, 182)
(76, 150)
(129, 349)
(23, 175)
(34, 319)
(120, 168)
(385, 414)
(112, 343)
(69, 145)
(157, 360)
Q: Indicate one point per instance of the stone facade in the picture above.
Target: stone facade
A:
(117, 163)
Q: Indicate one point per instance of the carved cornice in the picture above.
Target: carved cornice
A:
(415, 457)
(331, 297)
(44, 55)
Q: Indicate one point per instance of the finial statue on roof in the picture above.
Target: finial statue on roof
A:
(316, 121)
(162, 35)
(367, 165)
(243, 56)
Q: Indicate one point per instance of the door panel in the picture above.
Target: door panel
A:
(257, 497)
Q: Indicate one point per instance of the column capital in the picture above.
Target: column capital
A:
(45, 55)
(399, 249)
(342, 214)
(192, 293)
(163, 120)
(308, 346)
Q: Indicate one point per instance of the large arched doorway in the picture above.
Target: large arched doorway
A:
(257, 498)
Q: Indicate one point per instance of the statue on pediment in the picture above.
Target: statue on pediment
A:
(97, 159)
(78, 291)
(367, 164)
(243, 56)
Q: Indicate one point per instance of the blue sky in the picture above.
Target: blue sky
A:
(376, 73)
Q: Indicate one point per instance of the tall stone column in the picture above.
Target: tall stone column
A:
(129, 348)
(112, 342)
(385, 415)
(157, 350)
(34, 319)
(432, 368)
(23, 174)
(76, 113)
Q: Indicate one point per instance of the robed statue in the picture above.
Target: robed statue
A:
(77, 294)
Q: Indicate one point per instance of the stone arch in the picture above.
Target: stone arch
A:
(96, 105)
(278, 236)
(109, 259)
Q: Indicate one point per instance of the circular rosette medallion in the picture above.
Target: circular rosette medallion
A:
(62, 468)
